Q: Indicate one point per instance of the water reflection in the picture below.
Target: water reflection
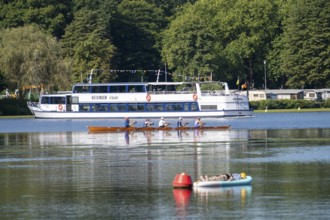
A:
(241, 192)
(234, 191)
(182, 200)
(122, 174)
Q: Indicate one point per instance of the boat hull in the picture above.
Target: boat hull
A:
(121, 129)
(241, 182)
(113, 115)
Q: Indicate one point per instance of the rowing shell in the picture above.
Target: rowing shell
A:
(118, 129)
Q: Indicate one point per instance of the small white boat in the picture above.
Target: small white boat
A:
(240, 182)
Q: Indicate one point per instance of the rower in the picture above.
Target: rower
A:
(162, 123)
(128, 122)
(148, 123)
(180, 124)
(198, 123)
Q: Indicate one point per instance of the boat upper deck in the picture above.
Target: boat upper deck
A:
(205, 88)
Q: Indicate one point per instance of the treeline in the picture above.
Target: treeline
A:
(56, 43)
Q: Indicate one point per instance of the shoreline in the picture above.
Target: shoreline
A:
(293, 110)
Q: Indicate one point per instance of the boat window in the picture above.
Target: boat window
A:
(45, 100)
(136, 88)
(194, 106)
(208, 107)
(84, 107)
(186, 106)
(118, 107)
(77, 89)
(173, 107)
(136, 107)
(118, 89)
(75, 100)
(57, 100)
(99, 89)
(100, 107)
(81, 89)
(155, 107)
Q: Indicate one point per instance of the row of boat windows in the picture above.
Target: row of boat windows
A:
(52, 100)
(123, 107)
(109, 89)
(139, 107)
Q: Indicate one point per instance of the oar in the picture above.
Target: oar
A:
(133, 123)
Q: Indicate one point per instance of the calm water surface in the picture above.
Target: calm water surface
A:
(55, 169)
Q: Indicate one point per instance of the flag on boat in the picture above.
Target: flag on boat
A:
(237, 82)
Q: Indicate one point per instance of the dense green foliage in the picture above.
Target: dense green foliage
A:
(289, 104)
(57, 43)
(29, 56)
(13, 107)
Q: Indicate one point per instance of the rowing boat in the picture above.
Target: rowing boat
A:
(120, 129)
(240, 182)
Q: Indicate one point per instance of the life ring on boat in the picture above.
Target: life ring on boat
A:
(148, 97)
(60, 107)
(195, 97)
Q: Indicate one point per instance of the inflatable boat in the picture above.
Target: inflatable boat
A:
(240, 182)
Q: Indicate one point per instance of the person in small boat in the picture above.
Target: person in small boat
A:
(162, 123)
(198, 123)
(223, 177)
(128, 122)
(148, 123)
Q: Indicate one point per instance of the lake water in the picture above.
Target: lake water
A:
(55, 169)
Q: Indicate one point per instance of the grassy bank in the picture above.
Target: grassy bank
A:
(16, 116)
(295, 110)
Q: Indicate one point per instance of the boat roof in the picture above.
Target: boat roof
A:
(56, 94)
(113, 83)
(143, 83)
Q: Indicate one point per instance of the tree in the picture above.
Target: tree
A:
(29, 56)
(170, 6)
(88, 43)
(136, 31)
(228, 38)
(305, 54)
(249, 27)
(189, 42)
(52, 15)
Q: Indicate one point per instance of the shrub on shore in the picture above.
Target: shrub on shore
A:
(12, 106)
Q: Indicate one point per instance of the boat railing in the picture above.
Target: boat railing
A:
(171, 92)
(32, 104)
(204, 93)
(213, 93)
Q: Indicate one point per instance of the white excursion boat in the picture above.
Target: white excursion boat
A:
(143, 100)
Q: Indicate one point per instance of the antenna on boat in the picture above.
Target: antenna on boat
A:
(165, 72)
(90, 77)
(158, 73)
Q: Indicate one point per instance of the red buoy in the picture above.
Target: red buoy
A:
(182, 180)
